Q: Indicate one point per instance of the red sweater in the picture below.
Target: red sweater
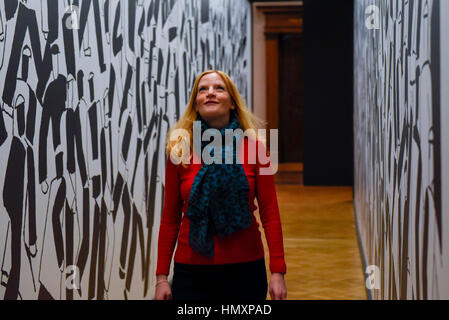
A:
(242, 246)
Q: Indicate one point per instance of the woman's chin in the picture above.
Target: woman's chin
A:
(211, 114)
(211, 109)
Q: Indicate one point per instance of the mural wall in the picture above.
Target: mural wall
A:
(88, 93)
(401, 155)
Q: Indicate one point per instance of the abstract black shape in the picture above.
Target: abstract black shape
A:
(31, 114)
(131, 23)
(117, 193)
(137, 233)
(94, 255)
(160, 64)
(436, 113)
(137, 91)
(172, 33)
(136, 162)
(156, 10)
(80, 83)
(85, 8)
(84, 250)
(26, 21)
(126, 139)
(3, 132)
(150, 13)
(117, 41)
(106, 16)
(20, 114)
(103, 157)
(31, 196)
(13, 191)
(126, 204)
(141, 27)
(53, 107)
(101, 250)
(93, 130)
(143, 88)
(59, 161)
(56, 222)
(181, 33)
(150, 130)
(44, 294)
(69, 231)
(53, 20)
(96, 186)
(26, 55)
(111, 90)
(69, 48)
(91, 87)
(167, 73)
(205, 11)
(10, 8)
(124, 106)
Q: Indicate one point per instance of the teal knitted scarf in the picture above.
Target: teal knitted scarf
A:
(218, 202)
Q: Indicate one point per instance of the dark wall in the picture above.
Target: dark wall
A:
(328, 92)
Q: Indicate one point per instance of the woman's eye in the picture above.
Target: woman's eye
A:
(202, 89)
(220, 88)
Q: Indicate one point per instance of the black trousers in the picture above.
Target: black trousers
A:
(239, 281)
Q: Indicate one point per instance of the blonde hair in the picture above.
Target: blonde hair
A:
(246, 118)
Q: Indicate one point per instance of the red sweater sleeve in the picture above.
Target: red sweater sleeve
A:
(171, 218)
(269, 213)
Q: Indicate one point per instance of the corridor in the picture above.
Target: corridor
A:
(320, 239)
(349, 97)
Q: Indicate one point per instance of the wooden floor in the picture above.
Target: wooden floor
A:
(320, 241)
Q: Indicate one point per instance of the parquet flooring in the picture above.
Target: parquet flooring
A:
(320, 241)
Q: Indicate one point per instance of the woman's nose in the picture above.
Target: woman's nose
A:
(211, 91)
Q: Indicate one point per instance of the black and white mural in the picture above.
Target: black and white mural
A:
(88, 91)
(401, 155)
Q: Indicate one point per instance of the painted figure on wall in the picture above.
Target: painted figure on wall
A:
(398, 65)
(88, 92)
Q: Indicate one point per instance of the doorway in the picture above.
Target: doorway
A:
(291, 92)
(284, 85)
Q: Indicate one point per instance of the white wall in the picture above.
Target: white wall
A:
(83, 120)
(401, 151)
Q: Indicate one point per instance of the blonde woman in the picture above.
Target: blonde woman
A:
(208, 207)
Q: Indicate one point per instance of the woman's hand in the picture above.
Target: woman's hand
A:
(163, 290)
(278, 289)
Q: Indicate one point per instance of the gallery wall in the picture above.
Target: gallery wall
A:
(88, 93)
(401, 130)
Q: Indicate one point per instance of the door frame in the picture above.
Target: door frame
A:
(259, 84)
(272, 19)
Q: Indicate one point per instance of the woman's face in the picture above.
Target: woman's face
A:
(213, 101)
